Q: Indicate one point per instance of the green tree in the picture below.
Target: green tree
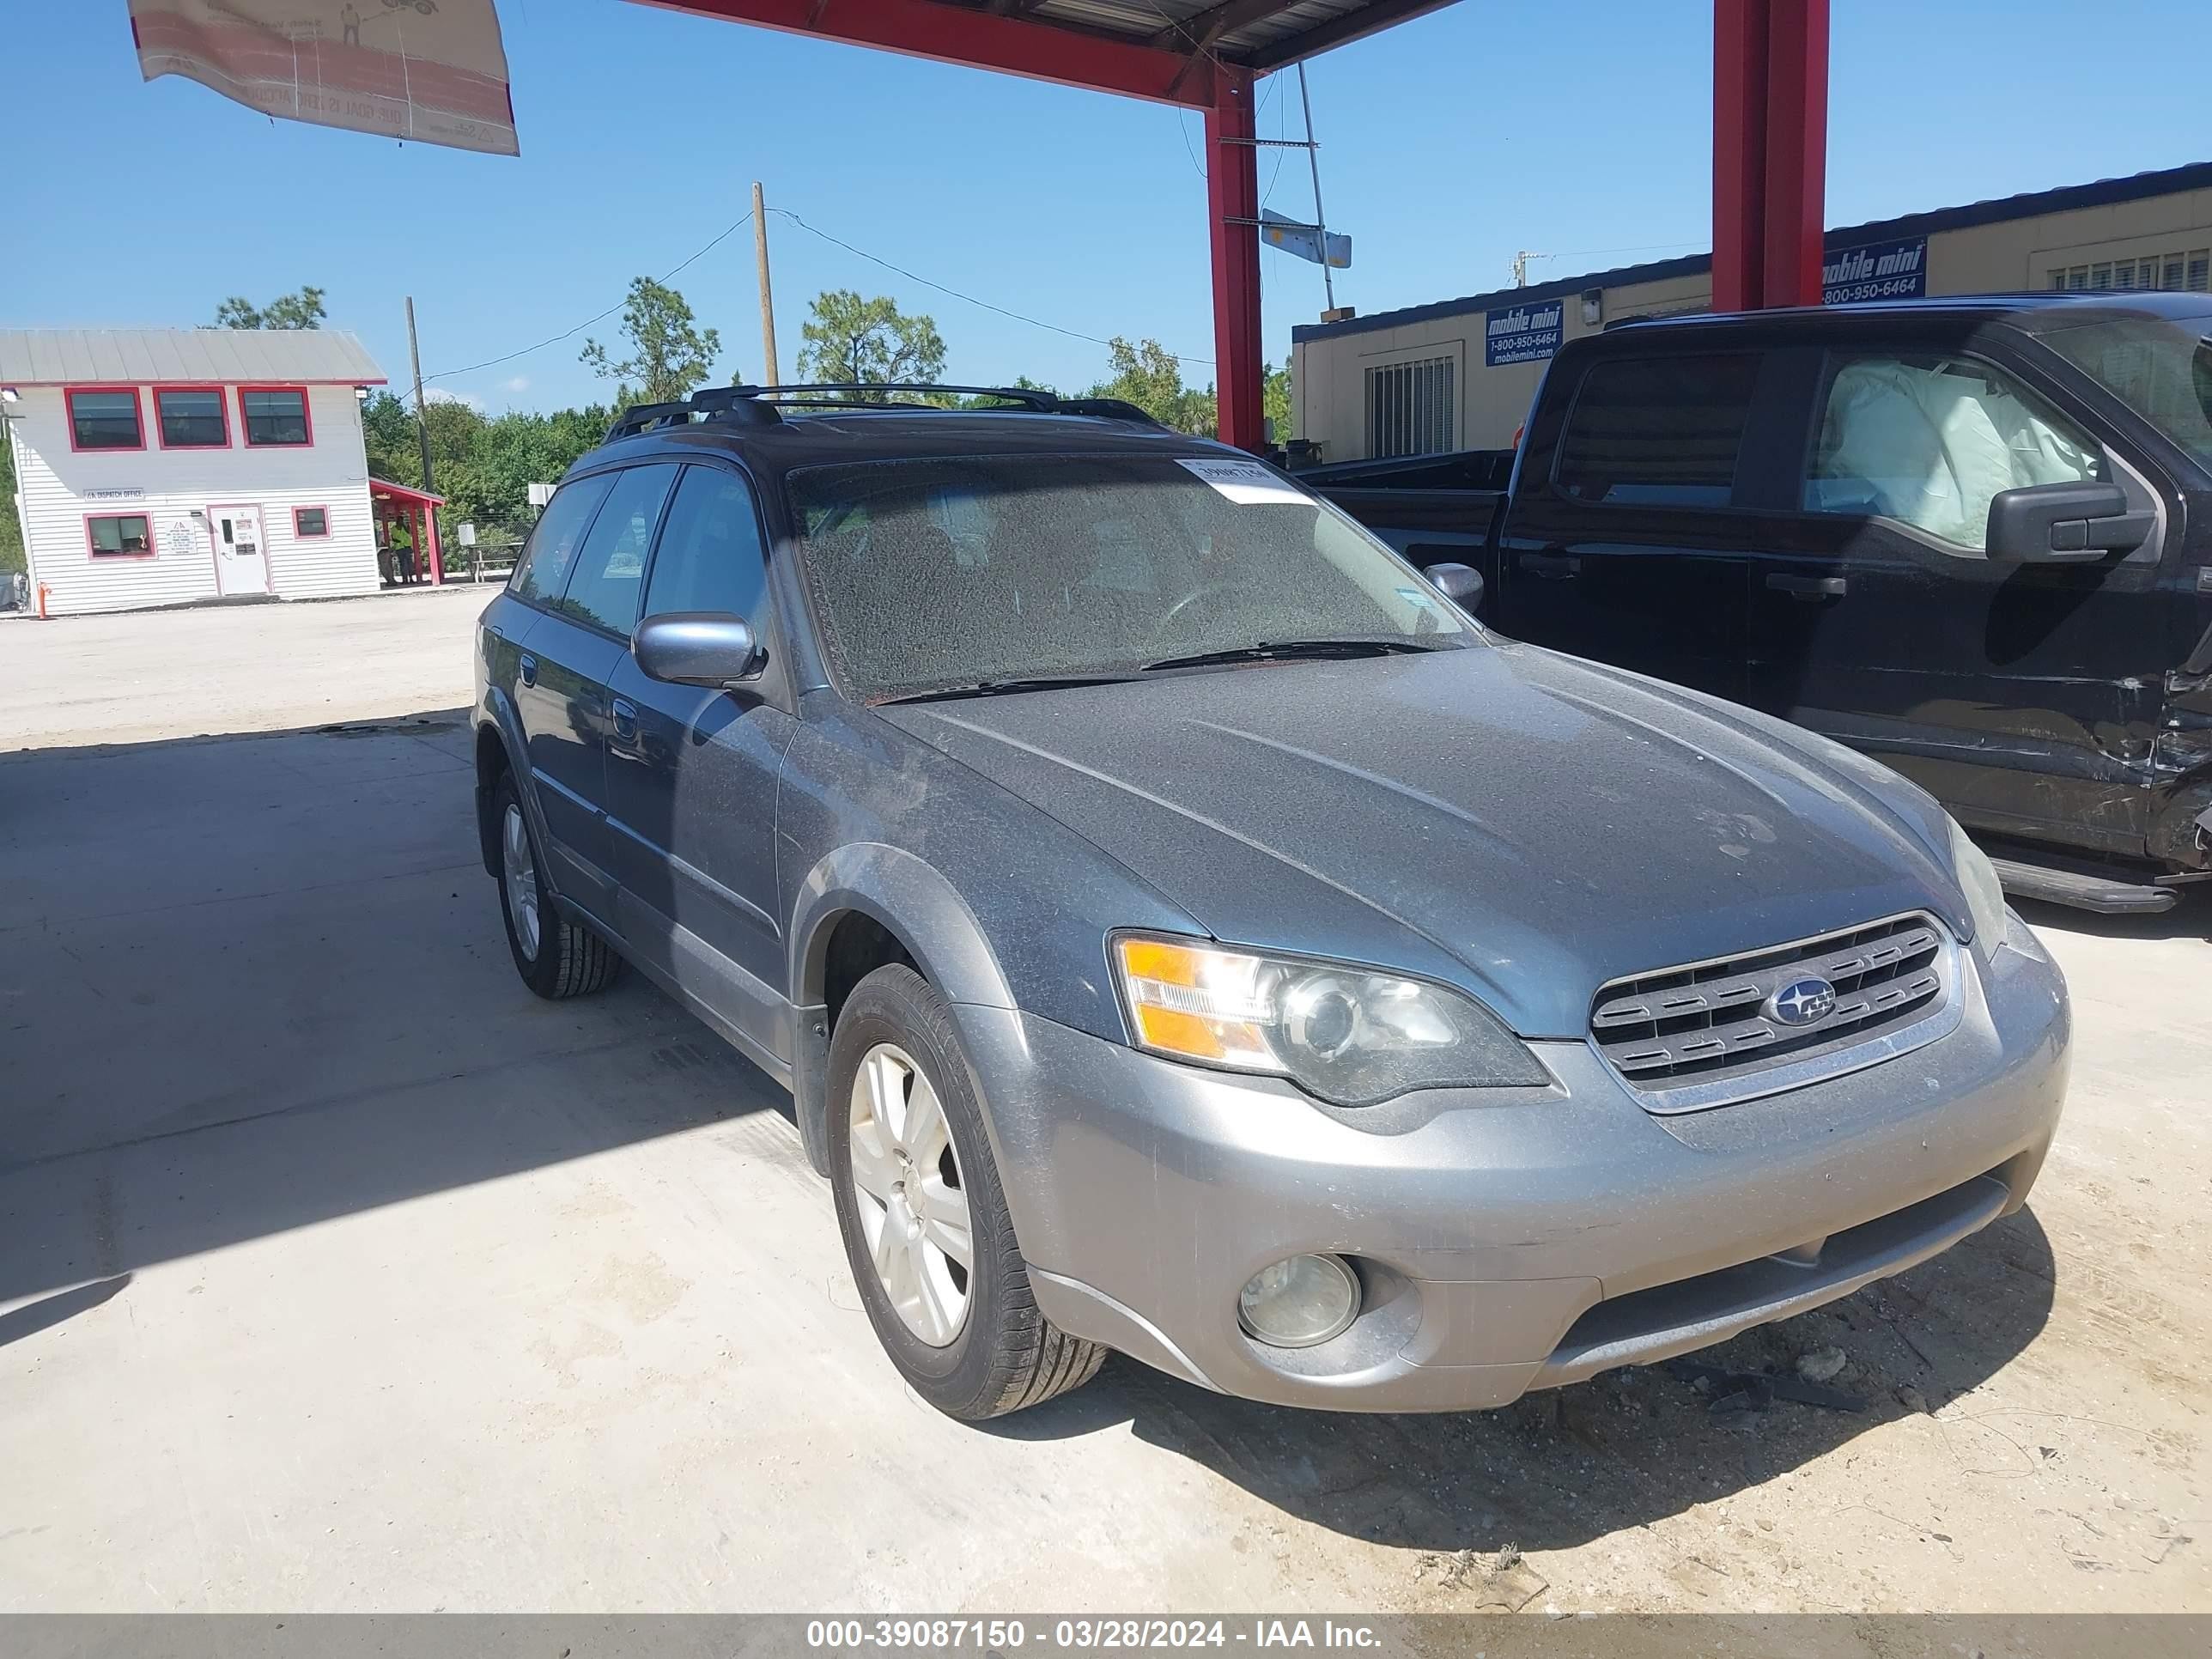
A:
(11, 526)
(669, 353)
(300, 310)
(867, 342)
(1277, 404)
(1147, 374)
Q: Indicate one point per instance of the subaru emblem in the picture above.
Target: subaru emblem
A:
(1801, 1002)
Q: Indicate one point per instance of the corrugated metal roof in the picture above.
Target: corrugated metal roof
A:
(1258, 34)
(143, 357)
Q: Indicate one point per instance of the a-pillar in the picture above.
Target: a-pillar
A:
(1770, 151)
(1232, 189)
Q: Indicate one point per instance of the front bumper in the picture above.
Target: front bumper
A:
(1505, 1240)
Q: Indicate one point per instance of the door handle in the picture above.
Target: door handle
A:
(1809, 587)
(625, 716)
(529, 669)
(1552, 567)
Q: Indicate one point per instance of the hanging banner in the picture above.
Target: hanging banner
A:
(433, 71)
(1294, 237)
(1522, 334)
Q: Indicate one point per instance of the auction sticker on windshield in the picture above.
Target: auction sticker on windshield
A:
(1246, 482)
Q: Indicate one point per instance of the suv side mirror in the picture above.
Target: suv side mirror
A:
(1461, 584)
(2063, 524)
(712, 648)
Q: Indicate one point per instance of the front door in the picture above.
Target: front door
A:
(241, 554)
(691, 777)
(2025, 697)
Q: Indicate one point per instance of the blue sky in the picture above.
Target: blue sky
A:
(1447, 143)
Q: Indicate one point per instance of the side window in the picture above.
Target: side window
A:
(608, 583)
(543, 572)
(1658, 431)
(1929, 438)
(710, 556)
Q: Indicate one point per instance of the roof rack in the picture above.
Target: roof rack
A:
(758, 405)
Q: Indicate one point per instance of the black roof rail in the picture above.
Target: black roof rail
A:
(757, 405)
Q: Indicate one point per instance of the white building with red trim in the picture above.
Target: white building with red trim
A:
(169, 466)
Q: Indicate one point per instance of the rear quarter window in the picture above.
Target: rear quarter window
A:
(1657, 431)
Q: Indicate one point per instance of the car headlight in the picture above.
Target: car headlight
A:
(1344, 1033)
(1985, 899)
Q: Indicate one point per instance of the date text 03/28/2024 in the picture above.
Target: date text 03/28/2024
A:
(1006, 1635)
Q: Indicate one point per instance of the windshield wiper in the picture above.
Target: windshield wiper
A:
(1268, 650)
(995, 687)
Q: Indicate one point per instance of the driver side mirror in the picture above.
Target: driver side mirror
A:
(712, 648)
(1460, 583)
(2063, 523)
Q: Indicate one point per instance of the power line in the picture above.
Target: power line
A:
(914, 276)
(508, 357)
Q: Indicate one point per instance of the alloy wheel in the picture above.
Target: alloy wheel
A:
(519, 869)
(908, 1195)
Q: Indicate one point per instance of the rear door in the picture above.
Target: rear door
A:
(1630, 546)
(565, 664)
(2024, 696)
(692, 775)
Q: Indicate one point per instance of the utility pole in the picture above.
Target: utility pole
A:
(768, 374)
(1520, 266)
(1313, 160)
(422, 414)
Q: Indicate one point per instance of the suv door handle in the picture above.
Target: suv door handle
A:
(1809, 587)
(1552, 567)
(529, 669)
(625, 716)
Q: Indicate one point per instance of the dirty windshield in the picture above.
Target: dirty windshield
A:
(2160, 369)
(979, 570)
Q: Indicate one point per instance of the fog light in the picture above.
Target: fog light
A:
(1300, 1301)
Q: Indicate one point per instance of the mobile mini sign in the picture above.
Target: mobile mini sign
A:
(1522, 334)
(1875, 270)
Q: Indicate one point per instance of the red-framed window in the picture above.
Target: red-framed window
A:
(192, 416)
(119, 535)
(276, 417)
(310, 522)
(104, 418)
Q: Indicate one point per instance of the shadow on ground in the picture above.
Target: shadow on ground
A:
(250, 984)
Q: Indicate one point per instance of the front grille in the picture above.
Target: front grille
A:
(1711, 1023)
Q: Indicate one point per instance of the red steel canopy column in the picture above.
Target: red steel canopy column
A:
(1232, 193)
(1770, 151)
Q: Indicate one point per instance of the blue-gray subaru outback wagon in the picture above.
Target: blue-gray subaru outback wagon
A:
(1183, 931)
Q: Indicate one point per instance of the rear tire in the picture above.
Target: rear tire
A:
(556, 958)
(1000, 1354)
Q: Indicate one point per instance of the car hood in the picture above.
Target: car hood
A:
(1522, 824)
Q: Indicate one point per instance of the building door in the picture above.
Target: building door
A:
(241, 552)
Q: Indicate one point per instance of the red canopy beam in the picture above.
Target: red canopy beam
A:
(1770, 151)
(977, 40)
(1232, 192)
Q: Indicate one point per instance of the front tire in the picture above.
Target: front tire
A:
(556, 958)
(923, 1217)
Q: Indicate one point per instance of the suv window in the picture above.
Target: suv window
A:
(1927, 439)
(1658, 431)
(609, 577)
(710, 556)
(543, 571)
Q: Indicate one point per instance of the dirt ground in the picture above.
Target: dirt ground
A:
(339, 1272)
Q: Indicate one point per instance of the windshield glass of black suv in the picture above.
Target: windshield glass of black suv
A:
(978, 571)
